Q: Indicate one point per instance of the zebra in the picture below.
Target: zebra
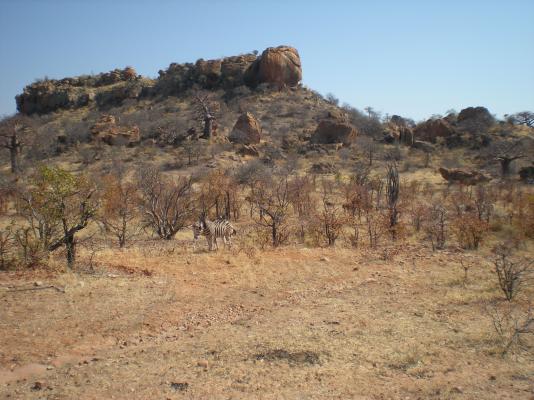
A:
(214, 229)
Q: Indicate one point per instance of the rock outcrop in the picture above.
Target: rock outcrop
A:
(480, 113)
(107, 130)
(334, 129)
(432, 129)
(276, 65)
(463, 177)
(475, 119)
(50, 95)
(247, 130)
(399, 133)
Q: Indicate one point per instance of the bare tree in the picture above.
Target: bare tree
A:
(206, 110)
(167, 204)
(272, 199)
(511, 274)
(368, 147)
(522, 118)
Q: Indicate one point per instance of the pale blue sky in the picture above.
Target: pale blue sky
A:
(413, 58)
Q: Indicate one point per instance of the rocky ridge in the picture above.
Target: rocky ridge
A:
(275, 66)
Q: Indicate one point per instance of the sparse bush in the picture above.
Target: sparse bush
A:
(436, 225)
(469, 231)
(119, 208)
(6, 247)
(512, 274)
(271, 197)
(331, 216)
(167, 204)
(514, 327)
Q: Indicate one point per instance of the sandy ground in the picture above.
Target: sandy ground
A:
(165, 321)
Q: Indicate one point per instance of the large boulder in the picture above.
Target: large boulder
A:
(463, 177)
(276, 65)
(475, 119)
(334, 129)
(247, 130)
(432, 129)
(107, 130)
(474, 113)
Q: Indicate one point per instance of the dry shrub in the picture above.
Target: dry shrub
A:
(512, 273)
(436, 225)
(377, 224)
(7, 240)
(167, 204)
(523, 221)
(330, 215)
(29, 249)
(513, 325)
(118, 213)
(271, 197)
(219, 195)
(469, 231)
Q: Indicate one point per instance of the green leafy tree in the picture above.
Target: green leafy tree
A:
(57, 206)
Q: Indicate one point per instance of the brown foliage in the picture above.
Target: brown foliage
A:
(119, 208)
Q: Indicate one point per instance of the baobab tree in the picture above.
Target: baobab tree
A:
(506, 153)
(11, 131)
(206, 111)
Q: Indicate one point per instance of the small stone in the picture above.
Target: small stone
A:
(325, 259)
(203, 364)
(37, 385)
(37, 283)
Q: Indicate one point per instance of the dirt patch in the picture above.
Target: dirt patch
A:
(296, 358)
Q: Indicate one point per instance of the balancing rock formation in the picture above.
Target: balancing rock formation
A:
(276, 65)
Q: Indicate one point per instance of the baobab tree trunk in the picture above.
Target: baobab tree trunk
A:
(14, 150)
(14, 160)
(506, 163)
(208, 126)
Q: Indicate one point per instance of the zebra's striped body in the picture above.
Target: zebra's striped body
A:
(220, 228)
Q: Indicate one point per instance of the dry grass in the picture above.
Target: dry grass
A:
(164, 320)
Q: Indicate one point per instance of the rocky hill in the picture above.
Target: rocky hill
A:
(247, 106)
